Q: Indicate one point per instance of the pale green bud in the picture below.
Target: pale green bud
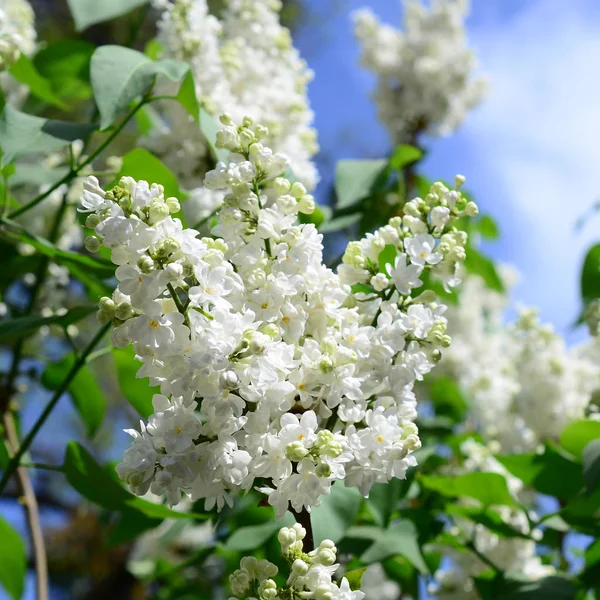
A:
(298, 190)
(173, 205)
(323, 470)
(296, 451)
(92, 243)
(124, 311)
(306, 204)
(92, 221)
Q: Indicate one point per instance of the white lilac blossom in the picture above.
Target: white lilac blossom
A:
(243, 63)
(17, 37)
(17, 31)
(274, 371)
(309, 575)
(523, 383)
(507, 553)
(425, 73)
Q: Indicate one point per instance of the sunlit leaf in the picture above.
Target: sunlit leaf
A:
(13, 561)
(90, 12)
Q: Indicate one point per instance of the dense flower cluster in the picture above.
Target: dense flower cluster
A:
(523, 383)
(302, 377)
(507, 553)
(243, 63)
(310, 575)
(425, 73)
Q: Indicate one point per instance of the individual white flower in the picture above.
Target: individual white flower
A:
(421, 250)
(404, 275)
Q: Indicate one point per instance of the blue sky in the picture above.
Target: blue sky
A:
(529, 152)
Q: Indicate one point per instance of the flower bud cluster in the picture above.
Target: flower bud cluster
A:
(309, 574)
(424, 238)
(425, 73)
(274, 372)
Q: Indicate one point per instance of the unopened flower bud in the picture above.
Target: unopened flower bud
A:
(296, 451)
(92, 221)
(92, 243)
(306, 204)
(228, 380)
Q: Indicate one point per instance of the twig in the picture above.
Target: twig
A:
(27, 441)
(303, 517)
(74, 172)
(30, 504)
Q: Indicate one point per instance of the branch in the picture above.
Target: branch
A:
(30, 505)
(26, 443)
(74, 172)
(303, 517)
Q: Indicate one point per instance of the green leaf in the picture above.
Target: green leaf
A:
(22, 134)
(447, 397)
(66, 65)
(255, 536)
(93, 266)
(488, 228)
(94, 483)
(363, 288)
(35, 175)
(137, 391)
(25, 72)
(489, 518)
(318, 217)
(405, 155)
(13, 561)
(339, 223)
(384, 499)
(590, 275)
(355, 180)
(489, 488)
(354, 578)
(578, 434)
(186, 96)
(477, 264)
(209, 128)
(591, 465)
(387, 257)
(19, 327)
(86, 394)
(591, 574)
(335, 514)
(141, 164)
(119, 75)
(549, 588)
(540, 472)
(399, 538)
(90, 12)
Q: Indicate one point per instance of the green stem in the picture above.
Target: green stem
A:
(202, 222)
(179, 304)
(75, 172)
(45, 467)
(27, 441)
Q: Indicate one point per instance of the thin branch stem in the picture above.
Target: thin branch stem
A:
(30, 504)
(206, 219)
(27, 441)
(74, 172)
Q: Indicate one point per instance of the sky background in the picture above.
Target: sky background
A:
(528, 152)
